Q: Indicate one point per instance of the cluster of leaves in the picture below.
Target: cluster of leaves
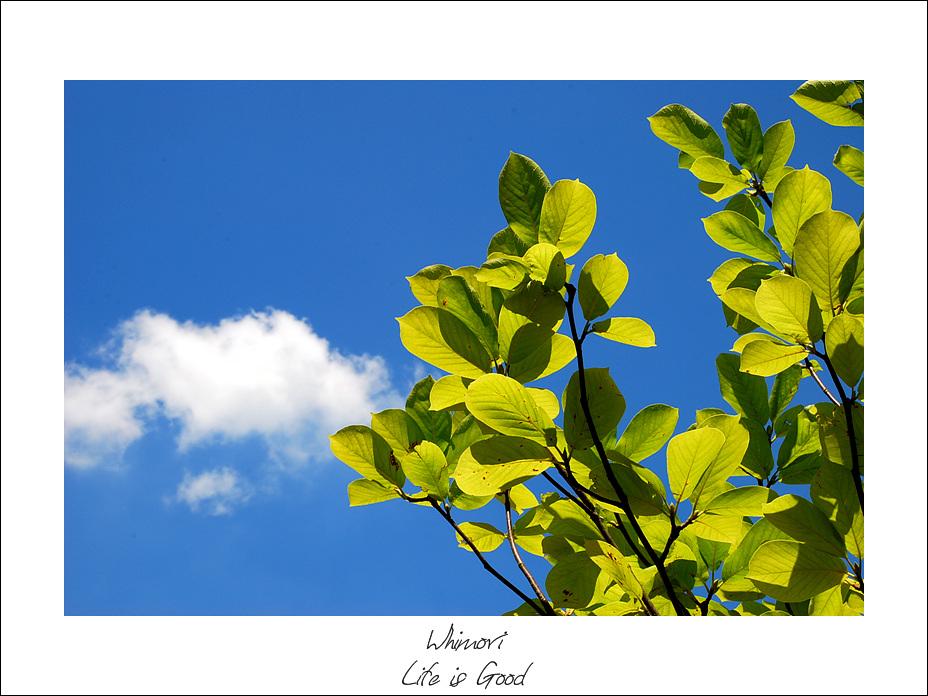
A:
(614, 535)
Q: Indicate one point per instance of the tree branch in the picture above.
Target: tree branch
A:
(447, 515)
(848, 407)
(623, 498)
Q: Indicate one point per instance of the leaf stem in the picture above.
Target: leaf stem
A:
(544, 609)
(623, 498)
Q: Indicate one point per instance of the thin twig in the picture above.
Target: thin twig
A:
(515, 552)
(811, 370)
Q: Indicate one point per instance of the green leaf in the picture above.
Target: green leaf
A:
(546, 400)
(733, 231)
(648, 431)
(566, 517)
(720, 528)
(784, 389)
(550, 356)
(499, 462)
(507, 407)
(567, 216)
(367, 453)
(768, 358)
(747, 501)
(834, 434)
(688, 456)
(602, 281)
(485, 536)
(465, 501)
(736, 567)
(830, 100)
(467, 431)
(850, 160)
(833, 492)
(719, 192)
(506, 272)
(435, 425)
(605, 401)
(685, 130)
(441, 339)
(844, 343)
(427, 468)
(522, 189)
(746, 393)
(448, 393)
(575, 579)
(745, 137)
(717, 171)
(804, 522)
(628, 330)
(800, 195)
(520, 498)
(424, 284)
(792, 572)
(548, 265)
(799, 454)
(616, 566)
(365, 492)
(758, 461)
(779, 140)
(721, 279)
(824, 245)
(457, 296)
(727, 461)
(789, 306)
(507, 243)
(643, 488)
(527, 321)
(748, 206)
(398, 428)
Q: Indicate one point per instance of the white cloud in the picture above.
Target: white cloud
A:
(263, 374)
(217, 490)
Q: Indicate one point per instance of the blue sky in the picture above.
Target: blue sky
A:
(233, 257)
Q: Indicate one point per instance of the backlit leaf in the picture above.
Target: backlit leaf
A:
(768, 358)
(366, 492)
(745, 137)
(688, 456)
(830, 100)
(844, 344)
(505, 405)
(567, 216)
(824, 245)
(605, 401)
(850, 160)
(685, 130)
(602, 281)
(800, 195)
(484, 536)
(522, 189)
(792, 572)
(779, 140)
(648, 431)
(733, 231)
(427, 468)
(499, 462)
(441, 339)
(628, 330)
(789, 306)
(746, 393)
(804, 522)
